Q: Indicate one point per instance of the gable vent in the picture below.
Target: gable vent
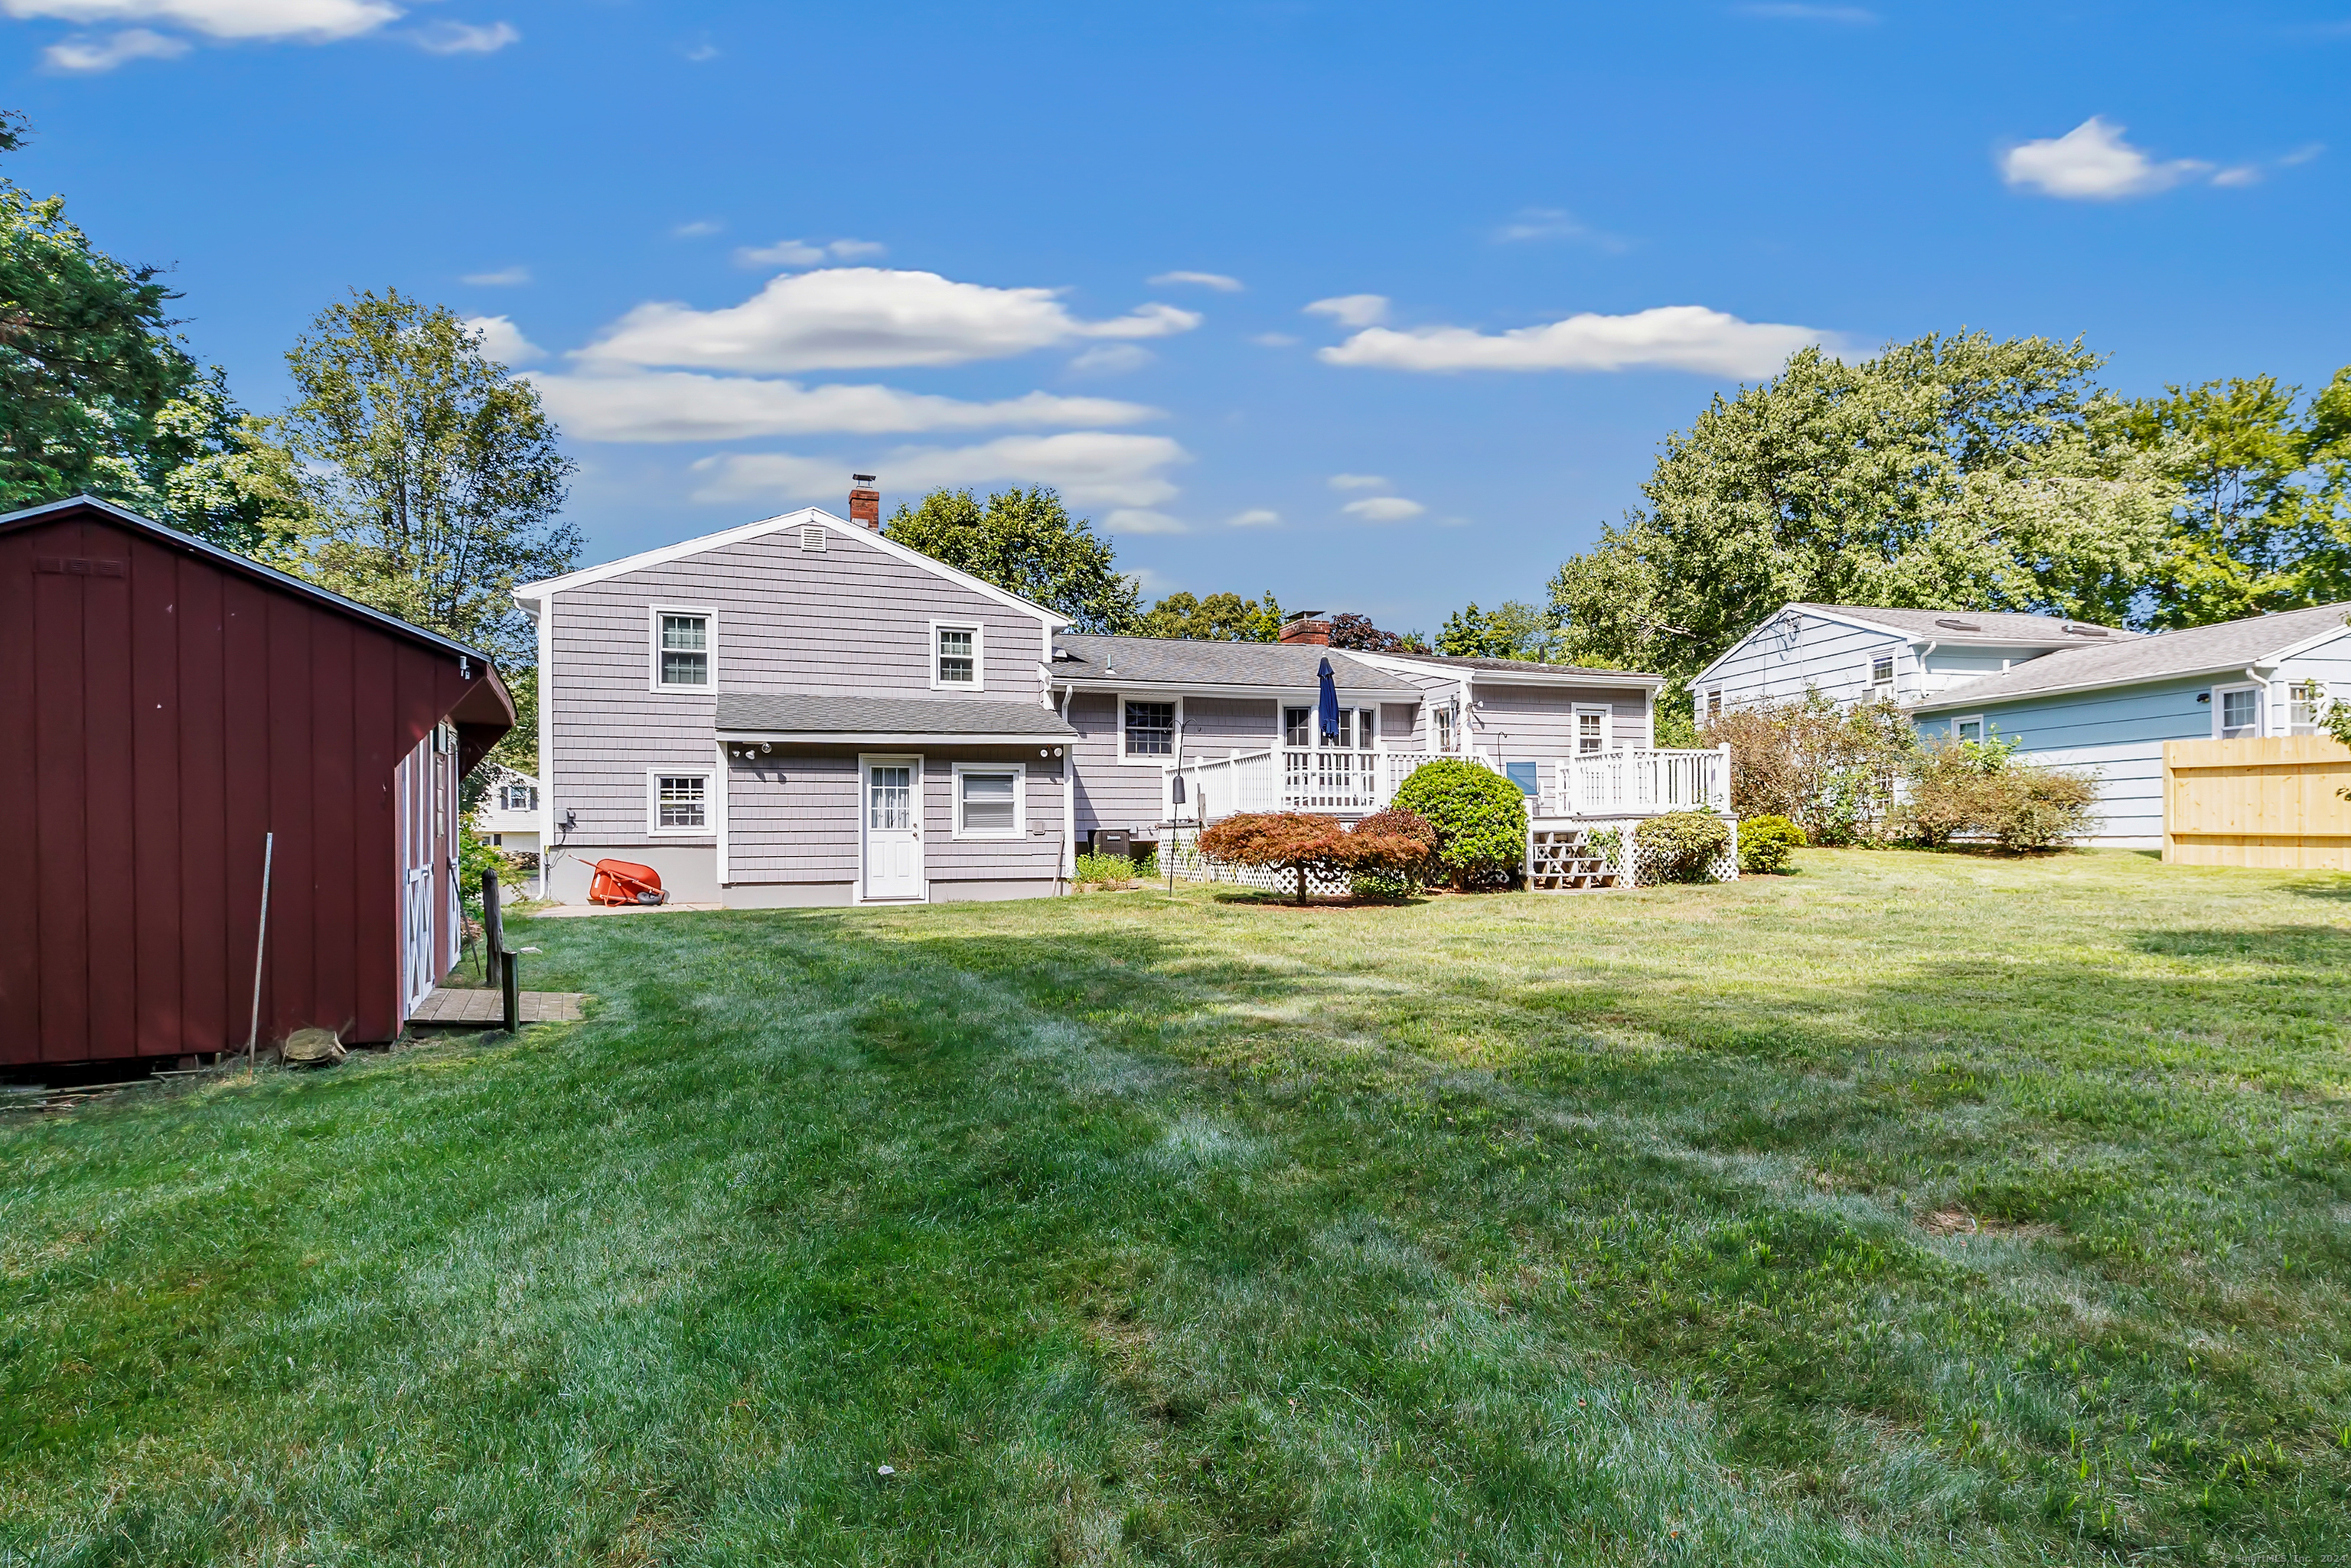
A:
(812, 538)
(1959, 625)
(2085, 631)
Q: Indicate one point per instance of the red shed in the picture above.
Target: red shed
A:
(165, 704)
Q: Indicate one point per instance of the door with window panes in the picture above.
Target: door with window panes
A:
(893, 827)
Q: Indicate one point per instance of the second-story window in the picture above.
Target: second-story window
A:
(1150, 729)
(682, 660)
(1881, 676)
(956, 655)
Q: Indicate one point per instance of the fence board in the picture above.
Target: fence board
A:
(2274, 801)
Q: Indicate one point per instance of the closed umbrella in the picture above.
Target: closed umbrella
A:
(1329, 706)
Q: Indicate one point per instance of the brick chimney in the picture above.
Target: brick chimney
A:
(1307, 626)
(865, 502)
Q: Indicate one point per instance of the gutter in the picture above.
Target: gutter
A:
(1959, 700)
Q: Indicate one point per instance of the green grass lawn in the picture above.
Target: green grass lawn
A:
(1913, 1208)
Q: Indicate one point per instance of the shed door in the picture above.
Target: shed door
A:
(413, 785)
(893, 827)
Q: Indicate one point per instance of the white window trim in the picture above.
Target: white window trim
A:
(701, 770)
(1447, 743)
(1162, 759)
(1983, 730)
(1020, 828)
(1871, 684)
(653, 647)
(979, 682)
(921, 781)
(1607, 728)
(2220, 709)
(2318, 710)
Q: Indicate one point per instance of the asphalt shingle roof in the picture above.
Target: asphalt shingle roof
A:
(1160, 661)
(2230, 645)
(785, 713)
(1507, 666)
(1982, 625)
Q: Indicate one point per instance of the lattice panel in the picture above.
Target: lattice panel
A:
(1191, 865)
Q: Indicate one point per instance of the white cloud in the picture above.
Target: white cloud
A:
(1352, 310)
(1850, 15)
(502, 341)
(504, 277)
(1359, 482)
(84, 55)
(1255, 518)
(465, 38)
(317, 21)
(681, 406)
(801, 252)
(698, 53)
(1142, 520)
(1215, 280)
(1552, 222)
(1275, 340)
(2092, 162)
(700, 228)
(1089, 467)
(862, 317)
(1112, 359)
(1670, 336)
(1383, 509)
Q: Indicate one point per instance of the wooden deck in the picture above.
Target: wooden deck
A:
(449, 1005)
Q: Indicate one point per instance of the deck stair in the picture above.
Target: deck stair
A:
(1563, 858)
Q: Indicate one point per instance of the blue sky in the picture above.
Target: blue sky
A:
(1453, 271)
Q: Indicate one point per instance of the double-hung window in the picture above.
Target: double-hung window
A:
(1713, 704)
(955, 655)
(1590, 731)
(518, 798)
(678, 802)
(684, 641)
(1881, 677)
(987, 802)
(1298, 727)
(2305, 708)
(2240, 712)
(1441, 728)
(1150, 729)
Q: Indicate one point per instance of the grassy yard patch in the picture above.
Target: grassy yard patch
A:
(1912, 1210)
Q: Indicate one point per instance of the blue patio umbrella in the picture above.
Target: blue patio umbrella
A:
(1328, 709)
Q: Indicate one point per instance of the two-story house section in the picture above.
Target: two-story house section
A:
(1522, 716)
(1852, 652)
(800, 711)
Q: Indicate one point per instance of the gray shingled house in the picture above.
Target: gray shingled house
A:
(801, 711)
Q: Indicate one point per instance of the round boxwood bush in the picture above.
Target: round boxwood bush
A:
(1765, 842)
(1480, 816)
(1680, 846)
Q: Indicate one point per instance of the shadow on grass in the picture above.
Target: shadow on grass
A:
(2301, 946)
(2335, 889)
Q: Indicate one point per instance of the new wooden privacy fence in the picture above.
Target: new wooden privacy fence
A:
(2267, 802)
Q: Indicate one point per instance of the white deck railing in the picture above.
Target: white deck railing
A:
(1628, 782)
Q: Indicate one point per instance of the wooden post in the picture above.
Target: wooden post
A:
(510, 989)
(494, 930)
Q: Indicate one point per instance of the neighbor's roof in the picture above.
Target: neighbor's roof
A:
(1977, 625)
(2200, 649)
(785, 713)
(1174, 662)
(1526, 667)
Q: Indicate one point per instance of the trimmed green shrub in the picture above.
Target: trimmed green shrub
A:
(1681, 845)
(1480, 816)
(1765, 844)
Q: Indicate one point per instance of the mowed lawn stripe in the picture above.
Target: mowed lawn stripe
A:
(1915, 1209)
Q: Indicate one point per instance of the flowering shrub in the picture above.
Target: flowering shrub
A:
(1480, 818)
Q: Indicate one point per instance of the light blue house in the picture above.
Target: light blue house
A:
(2111, 708)
(1851, 651)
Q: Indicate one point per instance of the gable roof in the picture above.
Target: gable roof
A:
(534, 592)
(1973, 626)
(2221, 649)
(1203, 666)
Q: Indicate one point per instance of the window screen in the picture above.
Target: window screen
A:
(683, 800)
(989, 803)
(1150, 729)
(685, 650)
(958, 655)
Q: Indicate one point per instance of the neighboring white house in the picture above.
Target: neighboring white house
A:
(508, 815)
(1851, 652)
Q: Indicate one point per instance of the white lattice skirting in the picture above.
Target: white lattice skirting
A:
(1176, 848)
(1560, 858)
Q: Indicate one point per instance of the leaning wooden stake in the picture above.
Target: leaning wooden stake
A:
(260, 940)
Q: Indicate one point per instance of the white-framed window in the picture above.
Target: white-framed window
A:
(991, 799)
(1298, 727)
(1970, 729)
(1590, 728)
(1440, 729)
(2305, 708)
(684, 648)
(1713, 704)
(2236, 712)
(517, 797)
(1881, 676)
(957, 649)
(1146, 728)
(678, 802)
(1367, 727)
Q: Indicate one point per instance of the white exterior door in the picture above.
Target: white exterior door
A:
(420, 931)
(893, 827)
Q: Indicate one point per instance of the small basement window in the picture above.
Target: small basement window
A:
(682, 649)
(681, 803)
(988, 802)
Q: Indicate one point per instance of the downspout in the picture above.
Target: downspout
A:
(545, 735)
(1069, 797)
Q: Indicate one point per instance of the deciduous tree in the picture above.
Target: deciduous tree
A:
(1219, 618)
(1025, 542)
